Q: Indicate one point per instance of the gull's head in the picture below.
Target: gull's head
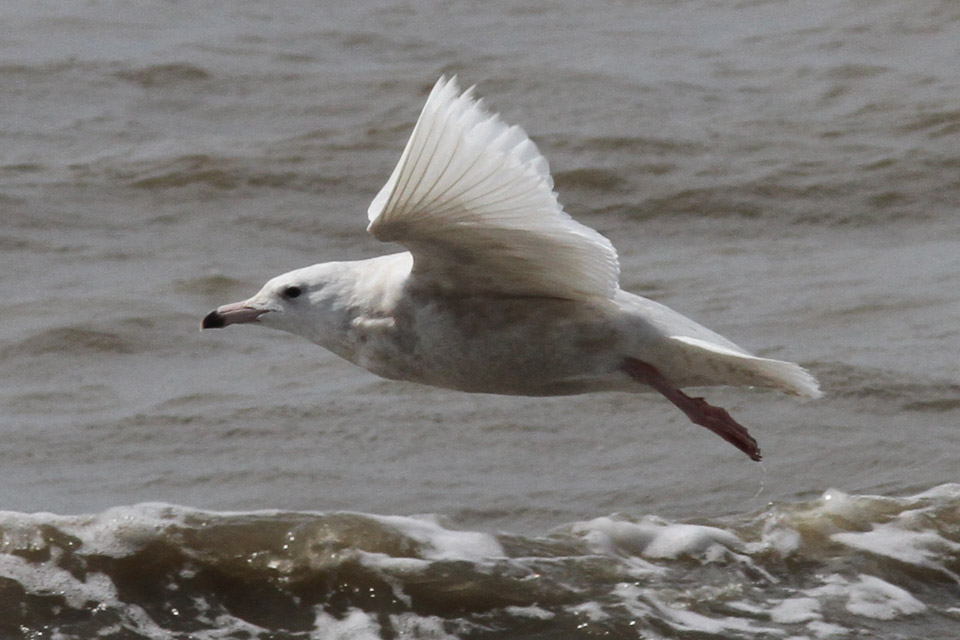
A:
(306, 302)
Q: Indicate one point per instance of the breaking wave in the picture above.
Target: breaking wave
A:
(842, 564)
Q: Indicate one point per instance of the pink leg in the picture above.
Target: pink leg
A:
(697, 409)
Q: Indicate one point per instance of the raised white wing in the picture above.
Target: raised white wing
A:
(473, 201)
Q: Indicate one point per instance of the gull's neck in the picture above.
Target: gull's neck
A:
(359, 291)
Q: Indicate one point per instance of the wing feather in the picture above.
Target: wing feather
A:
(472, 199)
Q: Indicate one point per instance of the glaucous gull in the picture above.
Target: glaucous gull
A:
(500, 290)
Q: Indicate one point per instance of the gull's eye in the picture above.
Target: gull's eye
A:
(292, 292)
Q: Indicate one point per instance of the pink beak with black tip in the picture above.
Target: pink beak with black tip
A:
(236, 313)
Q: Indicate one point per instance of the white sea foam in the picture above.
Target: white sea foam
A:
(827, 630)
(49, 579)
(440, 543)
(793, 610)
(875, 598)
(114, 533)
(410, 625)
(868, 596)
(537, 613)
(592, 611)
(646, 602)
(355, 625)
(362, 625)
(918, 548)
(655, 538)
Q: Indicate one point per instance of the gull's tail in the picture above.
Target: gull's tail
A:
(741, 369)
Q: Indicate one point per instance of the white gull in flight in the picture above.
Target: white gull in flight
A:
(501, 291)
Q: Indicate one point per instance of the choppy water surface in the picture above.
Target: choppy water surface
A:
(786, 172)
(838, 566)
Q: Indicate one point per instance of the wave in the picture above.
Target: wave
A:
(72, 340)
(842, 564)
(902, 392)
(164, 75)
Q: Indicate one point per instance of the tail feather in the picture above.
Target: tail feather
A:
(789, 377)
(742, 369)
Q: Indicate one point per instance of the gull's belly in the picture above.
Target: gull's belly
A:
(521, 346)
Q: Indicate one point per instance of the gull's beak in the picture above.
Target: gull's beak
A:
(236, 313)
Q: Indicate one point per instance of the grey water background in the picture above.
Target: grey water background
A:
(787, 173)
